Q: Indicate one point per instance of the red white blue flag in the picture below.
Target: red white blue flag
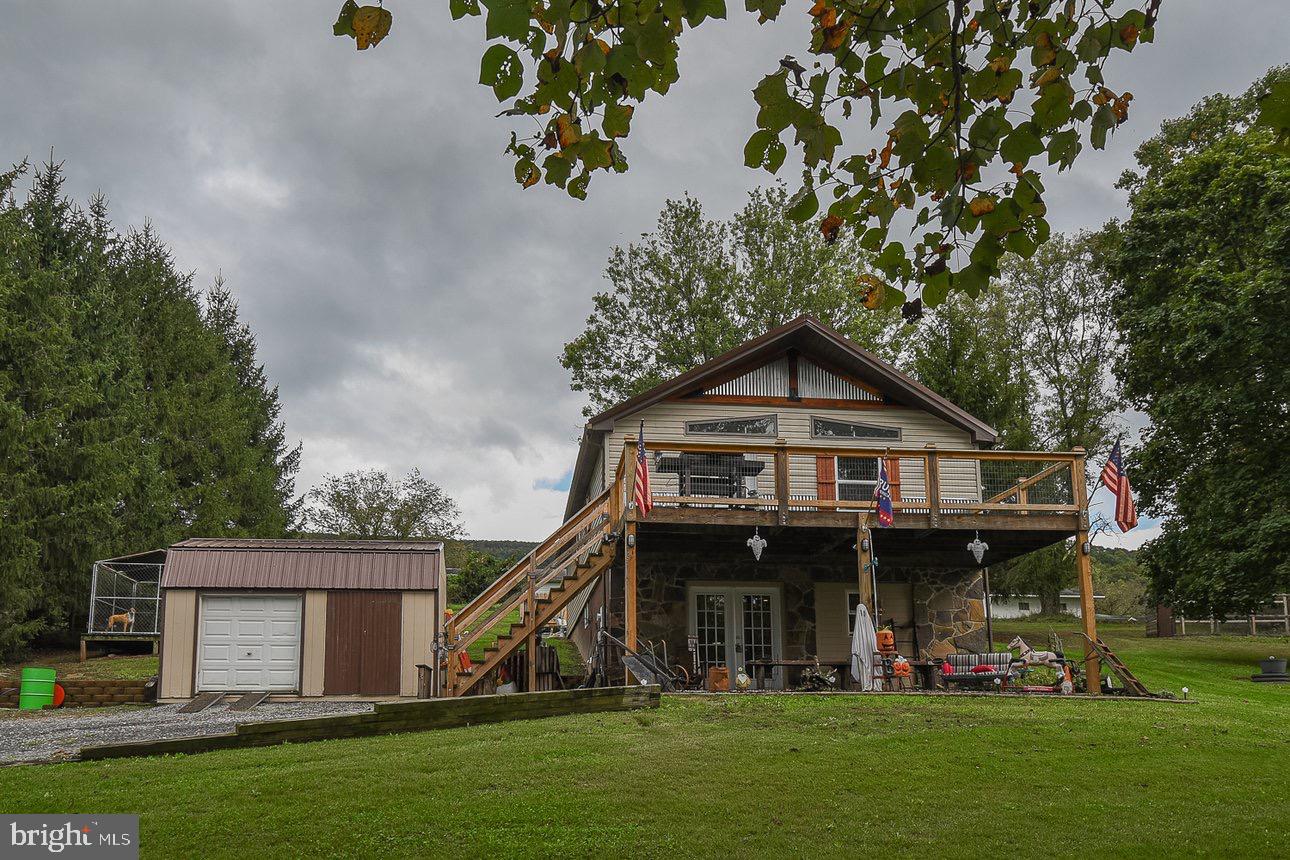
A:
(882, 493)
(1116, 480)
(644, 498)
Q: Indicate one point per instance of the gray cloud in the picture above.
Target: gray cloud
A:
(410, 300)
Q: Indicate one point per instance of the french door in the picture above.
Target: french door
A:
(735, 625)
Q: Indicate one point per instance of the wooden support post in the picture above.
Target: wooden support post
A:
(933, 478)
(83, 654)
(530, 611)
(1084, 568)
(864, 564)
(629, 479)
(629, 588)
(781, 479)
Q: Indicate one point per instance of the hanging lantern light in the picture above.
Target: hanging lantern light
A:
(978, 547)
(757, 543)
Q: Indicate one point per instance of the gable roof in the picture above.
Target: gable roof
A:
(304, 563)
(812, 339)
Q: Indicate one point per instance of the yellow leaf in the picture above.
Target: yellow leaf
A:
(982, 205)
(566, 131)
(1050, 74)
(871, 290)
(371, 25)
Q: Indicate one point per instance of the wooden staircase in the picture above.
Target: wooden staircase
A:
(558, 569)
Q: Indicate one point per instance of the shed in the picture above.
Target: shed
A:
(298, 617)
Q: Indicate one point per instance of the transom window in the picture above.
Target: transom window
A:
(758, 425)
(857, 478)
(830, 428)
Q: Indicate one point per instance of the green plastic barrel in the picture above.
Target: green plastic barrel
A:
(37, 689)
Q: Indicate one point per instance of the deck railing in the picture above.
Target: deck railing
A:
(925, 480)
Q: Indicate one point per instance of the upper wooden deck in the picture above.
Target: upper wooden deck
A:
(821, 487)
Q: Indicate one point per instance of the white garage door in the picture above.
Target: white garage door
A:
(248, 642)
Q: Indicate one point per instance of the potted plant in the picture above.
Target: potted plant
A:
(1272, 666)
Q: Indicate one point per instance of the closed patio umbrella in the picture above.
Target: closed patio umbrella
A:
(864, 642)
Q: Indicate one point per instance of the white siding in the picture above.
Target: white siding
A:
(665, 422)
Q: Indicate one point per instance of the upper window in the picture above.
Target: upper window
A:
(857, 478)
(760, 425)
(830, 428)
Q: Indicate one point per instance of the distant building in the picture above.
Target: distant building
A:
(1021, 605)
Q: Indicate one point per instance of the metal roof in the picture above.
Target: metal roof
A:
(304, 563)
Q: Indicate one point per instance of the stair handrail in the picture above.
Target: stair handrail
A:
(472, 611)
(609, 504)
(519, 595)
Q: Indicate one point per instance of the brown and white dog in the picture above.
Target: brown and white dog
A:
(125, 619)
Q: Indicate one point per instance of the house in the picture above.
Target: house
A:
(298, 617)
(1023, 605)
(779, 440)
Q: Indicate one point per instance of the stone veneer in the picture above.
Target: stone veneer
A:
(949, 605)
(949, 610)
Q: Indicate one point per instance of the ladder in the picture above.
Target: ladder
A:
(1107, 656)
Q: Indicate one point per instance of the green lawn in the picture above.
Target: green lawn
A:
(69, 666)
(752, 776)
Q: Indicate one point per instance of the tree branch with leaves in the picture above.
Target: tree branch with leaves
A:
(980, 90)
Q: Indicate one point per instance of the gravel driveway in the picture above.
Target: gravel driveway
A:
(46, 735)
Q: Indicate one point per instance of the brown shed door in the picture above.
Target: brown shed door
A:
(364, 634)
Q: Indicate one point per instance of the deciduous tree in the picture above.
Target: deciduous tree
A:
(1202, 300)
(369, 504)
(696, 287)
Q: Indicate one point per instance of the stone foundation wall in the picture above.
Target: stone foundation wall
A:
(949, 605)
(661, 596)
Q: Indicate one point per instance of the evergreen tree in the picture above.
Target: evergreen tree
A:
(268, 502)
(129, 416)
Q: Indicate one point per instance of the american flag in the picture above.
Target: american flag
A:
(882, 492)
(644, 498)
(1116, 480)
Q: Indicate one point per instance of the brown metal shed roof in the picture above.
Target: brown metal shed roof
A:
(307, 563)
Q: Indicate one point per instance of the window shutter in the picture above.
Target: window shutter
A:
(826, 478)
(893, 477)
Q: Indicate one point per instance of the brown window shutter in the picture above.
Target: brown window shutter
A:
(893, 477)
(826, 478)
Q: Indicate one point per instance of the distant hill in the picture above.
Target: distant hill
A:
(501, 548)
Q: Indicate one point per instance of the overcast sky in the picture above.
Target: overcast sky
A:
(409, 299)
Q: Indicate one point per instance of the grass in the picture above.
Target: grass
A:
(752, 775)
(133, 667)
